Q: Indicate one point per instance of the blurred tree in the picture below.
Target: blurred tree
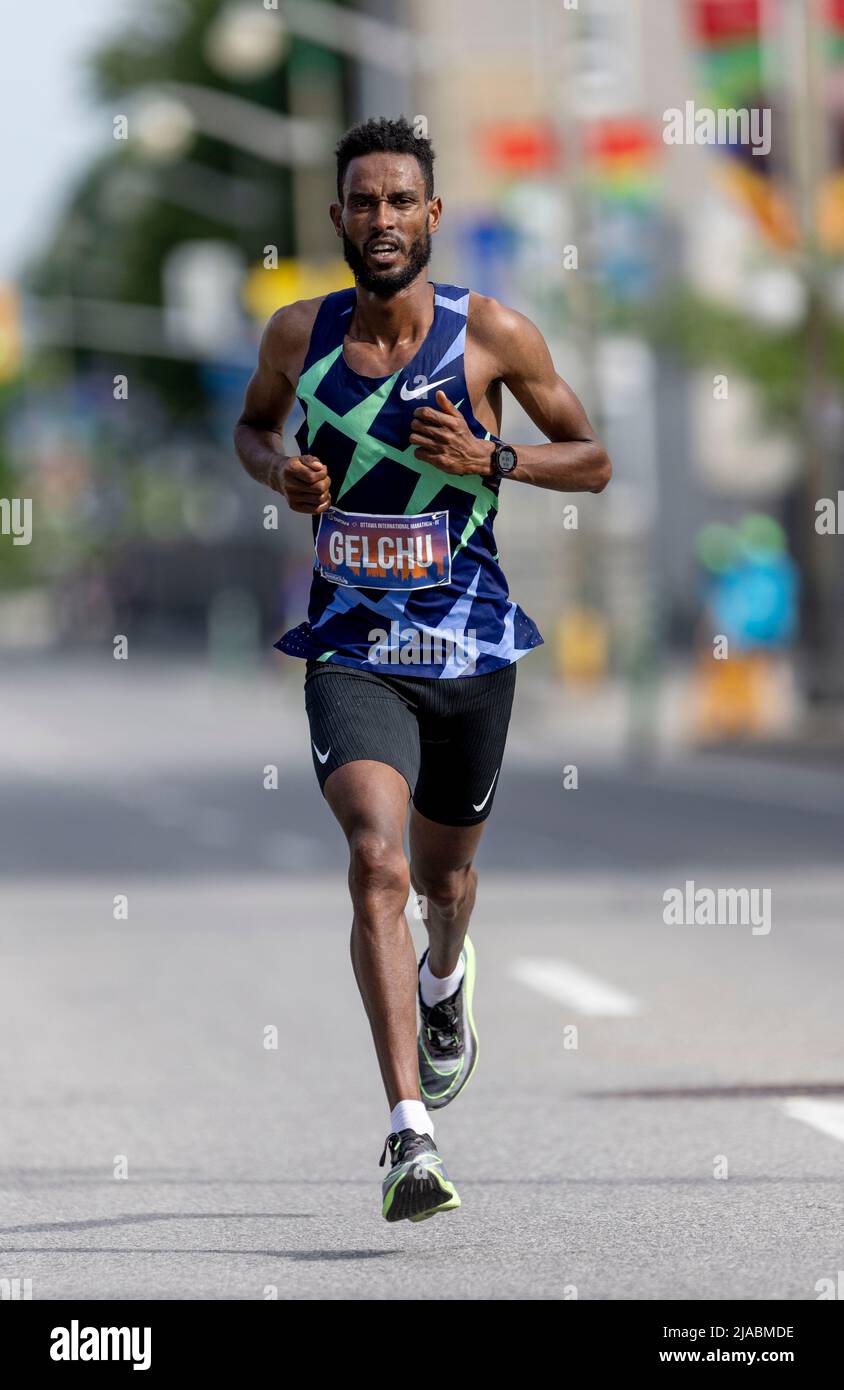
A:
(706, 333)
(128, 212)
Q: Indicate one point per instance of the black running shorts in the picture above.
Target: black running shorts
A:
(446, 737)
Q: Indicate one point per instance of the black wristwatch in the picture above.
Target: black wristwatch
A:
(504, 459)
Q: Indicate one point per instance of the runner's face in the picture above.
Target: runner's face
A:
(384, 221)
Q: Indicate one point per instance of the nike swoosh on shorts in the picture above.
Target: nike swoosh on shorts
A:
(488, 795)
(323, 757)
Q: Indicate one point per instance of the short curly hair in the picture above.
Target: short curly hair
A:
(379, 133)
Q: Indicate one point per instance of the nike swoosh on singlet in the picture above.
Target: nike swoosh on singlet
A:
(407, 395)
(488, 795)
(323, 757)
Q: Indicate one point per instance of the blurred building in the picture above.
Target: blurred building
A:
(691, 293)
(553, 120)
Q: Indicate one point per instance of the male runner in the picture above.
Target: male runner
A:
(411, 639)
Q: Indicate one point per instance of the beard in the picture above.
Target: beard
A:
(387, 283)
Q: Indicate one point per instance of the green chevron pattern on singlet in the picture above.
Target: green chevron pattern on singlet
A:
(369, 450)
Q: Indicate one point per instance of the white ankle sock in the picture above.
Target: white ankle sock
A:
(435, 990)
(411, 1114)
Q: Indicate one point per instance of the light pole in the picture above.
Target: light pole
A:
(803, 28)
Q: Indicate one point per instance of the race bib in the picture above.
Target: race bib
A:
(383, 552)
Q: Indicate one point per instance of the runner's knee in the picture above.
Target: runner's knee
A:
(377, 866)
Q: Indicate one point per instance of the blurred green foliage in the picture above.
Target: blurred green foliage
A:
(118, 226)
(705, 334)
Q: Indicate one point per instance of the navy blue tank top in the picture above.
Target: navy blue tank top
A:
(406, 574)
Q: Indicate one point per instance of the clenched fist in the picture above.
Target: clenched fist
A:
(306, 485)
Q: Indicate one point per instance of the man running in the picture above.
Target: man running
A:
(411, 639)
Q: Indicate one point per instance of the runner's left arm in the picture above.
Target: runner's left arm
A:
(573, 461)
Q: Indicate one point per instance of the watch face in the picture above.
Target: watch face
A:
(506, 459)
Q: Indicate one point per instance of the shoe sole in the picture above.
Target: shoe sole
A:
(424, 1215)
(415, 1200)
(438, 1102)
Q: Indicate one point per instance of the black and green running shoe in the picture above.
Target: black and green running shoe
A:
(417, 1185)
(447, 1043)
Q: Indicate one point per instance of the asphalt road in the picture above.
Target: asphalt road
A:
(183, 821)
(684, 1141)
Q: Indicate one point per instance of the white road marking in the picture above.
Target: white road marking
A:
(586, 994)
(825, 1115)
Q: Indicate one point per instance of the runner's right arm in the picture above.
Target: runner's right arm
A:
(258, 436)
